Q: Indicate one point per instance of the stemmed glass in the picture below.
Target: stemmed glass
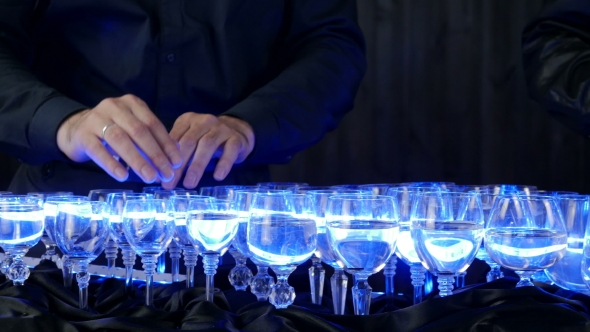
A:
(405, 249)
(564, 273)
(525, 233)
(447, 229)
(363, 231)
(115, 204)
(149, 227)
(50, 210)
(325, 253)
(21, 227)
(47, 240)
(110, 248)
(179, 206)
(174, 249)
(260, 284)
(281, 235)
(81, 231)
(211, 227)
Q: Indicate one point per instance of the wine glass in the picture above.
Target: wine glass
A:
(564, 273)
(363, 231)
(525, 233)
(47, 240)
(280, 235)
(179, 206)
(50, 212)
(149, 227)
(405, 249)
(81, 231)
(110, 248)
(482, 190)
(261, 283)
(115, 204)
(211, 227)
(325, 253)
(447, 229)
(21, 227)
(173, 249)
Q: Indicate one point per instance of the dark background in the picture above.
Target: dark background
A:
(444, 99)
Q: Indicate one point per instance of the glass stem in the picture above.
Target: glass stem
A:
(149, 267)
(495, 272)
(525, 278)
(361, 295)
(389, 273)
(83, 278)
(339, 285)
(240, 275)
(190, 261)
(6, 262)
(174, 251)
(282, 294)
(67, 271)
(316, 280)
(161, 267)
(110, 252)
(129, 262)
(418, 274)
(445, 284)
(262, 283)
(460, 282)
(210, 262)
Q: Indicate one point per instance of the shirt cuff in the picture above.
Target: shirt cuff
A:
(42, 132)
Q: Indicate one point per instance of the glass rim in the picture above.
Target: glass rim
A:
(360, 197)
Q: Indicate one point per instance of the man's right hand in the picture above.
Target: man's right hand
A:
(134, 134)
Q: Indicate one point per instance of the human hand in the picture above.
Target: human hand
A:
(134, 134)
(204, 136)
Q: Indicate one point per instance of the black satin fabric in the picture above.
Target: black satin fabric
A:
(43, 304)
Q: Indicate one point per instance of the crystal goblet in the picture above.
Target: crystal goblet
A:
(363, 232)
(447, 229)
(81, 231)
(211, 227)
(148, 227)
(47, 239)
(110, 248)
(281, 237)
(21, 227)
(526, 234)
(115, 204)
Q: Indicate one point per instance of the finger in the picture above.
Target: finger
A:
(231, 150)
(141, 135)
(206, 147)
(159, 133)
(99, 154)
(123, 146)
(187, 144)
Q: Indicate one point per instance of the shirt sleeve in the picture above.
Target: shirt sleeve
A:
(30, 112)
(322, 59)
(556, 59)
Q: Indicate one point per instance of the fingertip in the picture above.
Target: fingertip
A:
(220, 174)
(121, 174)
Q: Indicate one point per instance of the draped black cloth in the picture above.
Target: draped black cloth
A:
(43, 304)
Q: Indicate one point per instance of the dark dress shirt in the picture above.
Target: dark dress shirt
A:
(290, 68)
(556, 58)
